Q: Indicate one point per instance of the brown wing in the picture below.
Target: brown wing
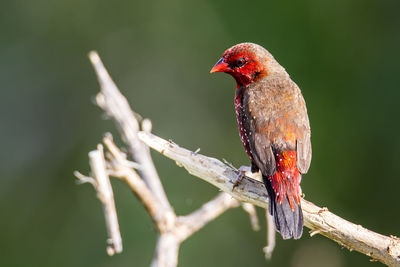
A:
(260, 145)
(263, 156)
(278, 121)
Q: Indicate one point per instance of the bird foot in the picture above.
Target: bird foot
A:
(242, 173)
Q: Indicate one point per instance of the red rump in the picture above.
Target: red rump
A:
(286, 180)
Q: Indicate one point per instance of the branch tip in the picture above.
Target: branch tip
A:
(82, 179)
(94, 57)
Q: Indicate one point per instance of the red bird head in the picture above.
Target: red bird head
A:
(247, 62)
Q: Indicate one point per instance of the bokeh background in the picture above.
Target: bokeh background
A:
(343, 54)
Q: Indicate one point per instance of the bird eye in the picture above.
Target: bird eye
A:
(240, 62)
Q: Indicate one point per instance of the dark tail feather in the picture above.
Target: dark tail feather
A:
(289, 223)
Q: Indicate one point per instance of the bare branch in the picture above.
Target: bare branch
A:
(162, 218)
(167, 250)
(210, 170)
(271, 236)
(189, 224)
(106, 196)
(172, 230)
(251, 210)
(354, 237)
(115, 104)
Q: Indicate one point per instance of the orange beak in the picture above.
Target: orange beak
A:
(221, 66)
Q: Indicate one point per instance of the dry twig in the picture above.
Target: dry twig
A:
(102, 185)
(271, 236)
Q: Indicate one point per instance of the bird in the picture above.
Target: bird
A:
(274, 128)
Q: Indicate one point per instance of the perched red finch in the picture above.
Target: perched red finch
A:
(274, 128)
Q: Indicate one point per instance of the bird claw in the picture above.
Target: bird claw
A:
(242, 173)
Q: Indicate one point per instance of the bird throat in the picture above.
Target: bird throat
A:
(242, 80)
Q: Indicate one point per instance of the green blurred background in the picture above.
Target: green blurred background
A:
(343, 54)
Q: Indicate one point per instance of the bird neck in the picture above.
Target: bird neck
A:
(240, 90)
